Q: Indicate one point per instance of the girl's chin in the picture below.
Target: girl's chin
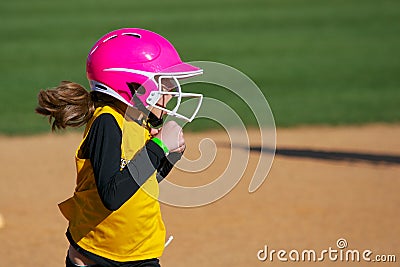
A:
(153, 131)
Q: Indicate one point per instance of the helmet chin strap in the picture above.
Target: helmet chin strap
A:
(154, 121)
(151, 119)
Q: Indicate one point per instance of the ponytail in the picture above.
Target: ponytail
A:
(68, 104)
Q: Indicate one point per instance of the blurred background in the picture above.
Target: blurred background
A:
(317, 62)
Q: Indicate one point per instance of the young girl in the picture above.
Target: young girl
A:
(114, 215)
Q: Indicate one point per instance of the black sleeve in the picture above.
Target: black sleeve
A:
(167, 163)
(103, 147)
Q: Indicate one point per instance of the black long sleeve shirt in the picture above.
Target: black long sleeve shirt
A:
(115, 185)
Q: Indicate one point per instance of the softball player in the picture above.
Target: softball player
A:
(114, 215)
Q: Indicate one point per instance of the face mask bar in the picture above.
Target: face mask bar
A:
(155, 96)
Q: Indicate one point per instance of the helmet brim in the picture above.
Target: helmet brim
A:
(182, 69)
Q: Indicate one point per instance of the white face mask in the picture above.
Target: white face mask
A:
(162, 80)
(168, 85)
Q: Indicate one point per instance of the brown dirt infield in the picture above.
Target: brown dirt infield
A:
(326, 183)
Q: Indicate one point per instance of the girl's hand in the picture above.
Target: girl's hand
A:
(171, 135)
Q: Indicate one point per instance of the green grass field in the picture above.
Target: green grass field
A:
(317, 62)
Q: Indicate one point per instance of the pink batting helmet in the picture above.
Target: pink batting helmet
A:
(133, 55)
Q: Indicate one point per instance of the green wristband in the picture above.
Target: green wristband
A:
(161, 144)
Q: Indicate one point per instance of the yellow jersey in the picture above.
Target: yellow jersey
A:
(133, 232)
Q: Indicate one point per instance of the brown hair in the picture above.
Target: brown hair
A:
(68, 104)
